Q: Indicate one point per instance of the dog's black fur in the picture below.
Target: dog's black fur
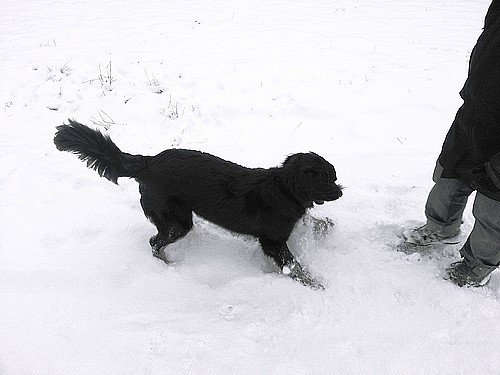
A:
(265, 203)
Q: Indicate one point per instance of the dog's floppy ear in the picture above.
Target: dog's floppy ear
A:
(272, 195)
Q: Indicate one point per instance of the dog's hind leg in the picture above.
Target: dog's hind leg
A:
(287, 263)
(167, 234)
(172, 219)
(172, 226)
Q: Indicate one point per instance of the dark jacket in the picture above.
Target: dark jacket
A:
(471, 150)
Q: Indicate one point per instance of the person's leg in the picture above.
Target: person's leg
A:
(445, 204)
(444, 209)
(481, 252)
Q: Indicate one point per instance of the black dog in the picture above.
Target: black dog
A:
(265, 203)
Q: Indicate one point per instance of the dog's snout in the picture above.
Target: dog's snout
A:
(337, 192)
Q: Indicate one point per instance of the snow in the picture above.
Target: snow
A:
(370, 85)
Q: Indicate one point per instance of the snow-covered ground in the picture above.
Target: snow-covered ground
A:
(370, 85)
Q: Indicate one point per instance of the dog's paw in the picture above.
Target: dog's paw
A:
(158, 248)
(297, 273)
(160, 254)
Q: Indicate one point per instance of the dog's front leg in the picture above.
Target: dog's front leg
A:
(278, 250)
(287, 263)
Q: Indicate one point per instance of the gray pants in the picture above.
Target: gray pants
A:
(444, 208)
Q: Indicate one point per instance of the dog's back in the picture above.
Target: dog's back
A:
(215, 189)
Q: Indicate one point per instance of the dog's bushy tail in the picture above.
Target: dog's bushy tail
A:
(99, 151)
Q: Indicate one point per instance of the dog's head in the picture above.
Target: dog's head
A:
(312, 179)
